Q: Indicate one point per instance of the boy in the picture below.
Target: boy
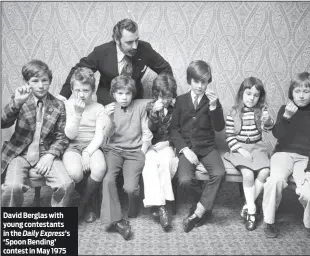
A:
(38, 140)
(291, 154)
(86, 126)
(197, 114)
(125, 151)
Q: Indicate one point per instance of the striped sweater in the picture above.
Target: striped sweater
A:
(249, 132)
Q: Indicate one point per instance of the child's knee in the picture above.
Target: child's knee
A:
(131, 188)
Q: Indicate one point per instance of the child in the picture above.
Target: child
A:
(160, 160)
(125, 151)
(38, 141)
(291, 154)
(196, 116)
(86, 126)
(244, 126)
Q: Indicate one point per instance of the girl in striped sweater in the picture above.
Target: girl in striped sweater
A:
(244, 126)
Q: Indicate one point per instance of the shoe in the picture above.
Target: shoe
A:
(244, 213)
(202, 220)
(164, 217)
(250, 224)
(154, 212)
(90, 217)
(189, 222)
(270, 230)
(123, 227)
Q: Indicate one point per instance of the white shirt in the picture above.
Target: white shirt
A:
(43, 108)
(120, 59)
(194, 95)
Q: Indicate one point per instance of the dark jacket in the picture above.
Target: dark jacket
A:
(104, 59)
(195, 128)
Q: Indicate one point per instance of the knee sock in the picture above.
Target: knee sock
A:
(200, 210)
(249, 193)
(258, 187)
(91, 186)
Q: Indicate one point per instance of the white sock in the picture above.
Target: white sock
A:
(249, 193)
(259, 186)
(200, 210)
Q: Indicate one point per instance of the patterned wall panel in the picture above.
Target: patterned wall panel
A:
(270, 40)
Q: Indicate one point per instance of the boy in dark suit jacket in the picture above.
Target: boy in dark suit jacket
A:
(197, 114)
(38, 140)
(126, 54)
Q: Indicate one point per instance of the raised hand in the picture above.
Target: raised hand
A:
(22, 93)
(158, 105)
(212, 98)
(79, 106)
(110, 108)
(265, 116)
(290, 110)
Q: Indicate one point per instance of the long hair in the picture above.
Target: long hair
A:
(248, 83)
(164, 85)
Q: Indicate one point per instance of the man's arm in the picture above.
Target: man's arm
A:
(156, 62)
(89, 62)
(61, 142)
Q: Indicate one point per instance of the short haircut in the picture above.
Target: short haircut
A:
(36, 68)
(123, 82)
(198, 70)
(298, 80)
(164, 85)
(127, 24)
(84, 76)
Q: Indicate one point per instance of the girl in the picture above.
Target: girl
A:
(244, 126)
(160, 162)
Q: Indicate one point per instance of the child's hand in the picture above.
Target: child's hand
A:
(86, 161)
(45, 163)
(22, 93)
(110, 108)
(290, 110)
(160, 145)
(191, 156)
(158, 105)
(246, 154)
(212, 98)
(79, 106)
(265, 116)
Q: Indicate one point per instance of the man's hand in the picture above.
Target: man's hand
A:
(290, 110)
(160, 145)
(45, 163)
(191, 156)
(86, 161)
(245, 154)
(79, 107)
(110, 108)
(22, 93)
(212, 98)
(158, 105)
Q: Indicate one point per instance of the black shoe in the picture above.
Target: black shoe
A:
(202, 220)
(164, 217)
(90, 217)
(123, 227)
(189, 222)
(250, 223)
(154, 212)
(244, 213)
(270, 230)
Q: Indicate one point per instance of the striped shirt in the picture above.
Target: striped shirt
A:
(249, 132)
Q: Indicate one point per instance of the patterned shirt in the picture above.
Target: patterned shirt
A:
(249, 133)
